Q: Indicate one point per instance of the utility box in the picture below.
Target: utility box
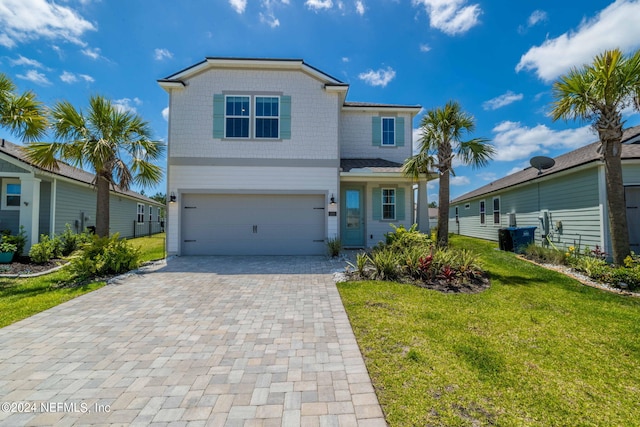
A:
(505, 242)
(515, 239)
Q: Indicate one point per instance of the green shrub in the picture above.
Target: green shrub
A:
(385, 263)
(42, 252)
(334, 245)
(104, 256)
(362, 259)
(20, 239)
(546, 255)
(400, 238)
(70, 241)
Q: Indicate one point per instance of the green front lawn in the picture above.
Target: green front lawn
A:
(536, 349)
(21, 298)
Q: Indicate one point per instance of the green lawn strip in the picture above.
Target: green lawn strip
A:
(537, 348)
(152, 247)
(21, 298)
(24, 297)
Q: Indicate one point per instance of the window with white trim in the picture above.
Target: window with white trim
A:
(11, 191)
(140, 215)
(267, 117)
(388, 203)
(388, 131)
(482, 212)
(496, 210)
(236, 116)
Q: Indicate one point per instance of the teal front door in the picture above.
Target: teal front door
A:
(352, 223)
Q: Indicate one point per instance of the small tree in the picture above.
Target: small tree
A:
(442, 130)
(598, 92)
(116, 144)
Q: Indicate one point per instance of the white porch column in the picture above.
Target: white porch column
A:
(423, 207)
(30, 209)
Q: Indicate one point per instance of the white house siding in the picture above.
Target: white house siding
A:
(314, 116)
(356, 138)
(572, 199)
(248, 180)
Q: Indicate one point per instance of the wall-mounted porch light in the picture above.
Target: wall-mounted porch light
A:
(172, 197)
(332, 200)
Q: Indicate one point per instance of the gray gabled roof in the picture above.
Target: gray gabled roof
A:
(65, 170)
(581, 156)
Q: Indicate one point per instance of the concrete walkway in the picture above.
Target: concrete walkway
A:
(218, 341)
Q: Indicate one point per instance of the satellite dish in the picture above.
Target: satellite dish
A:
(541, 163)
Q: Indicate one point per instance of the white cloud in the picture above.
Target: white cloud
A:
(319, 4)
(165, 113)
(537, 16)
(238, 5)
(69, 77)
(35, 77)
(503, 100)
(514, 141)
(127, 104)
(460, 180)
(269, 19)
(451, 16)
(27, 20)
(360, 7)
(21, 60)
(345, 59)
(615, 26)
(425, 48)
(92, 53)
(160, 54)
(378, 78)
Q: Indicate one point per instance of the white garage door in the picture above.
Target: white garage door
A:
(253, 224)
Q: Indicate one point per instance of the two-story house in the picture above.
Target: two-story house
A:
(266, 157)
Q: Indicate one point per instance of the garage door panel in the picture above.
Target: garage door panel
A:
(253, 225)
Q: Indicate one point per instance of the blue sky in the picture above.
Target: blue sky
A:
(497, 58)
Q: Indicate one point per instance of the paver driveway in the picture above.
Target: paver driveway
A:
(202, 341)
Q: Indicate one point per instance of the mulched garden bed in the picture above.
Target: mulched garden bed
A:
(23, 266)
(473, 285)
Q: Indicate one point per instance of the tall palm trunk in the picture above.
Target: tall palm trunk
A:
(610, 133)
(102, 205)
(443, 210)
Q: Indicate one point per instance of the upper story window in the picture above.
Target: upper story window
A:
(237, 117)
(388, 203)
(11, 194)
(267, 116)
(388, 131)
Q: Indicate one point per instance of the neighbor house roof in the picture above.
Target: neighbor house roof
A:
(349, 105)
(581, 156)
(65, 170)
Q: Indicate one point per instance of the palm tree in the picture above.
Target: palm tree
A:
(115, 144)
(441, 141)
(599, 92)
(22, 114)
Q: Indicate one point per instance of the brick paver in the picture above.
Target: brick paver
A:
(220, 341)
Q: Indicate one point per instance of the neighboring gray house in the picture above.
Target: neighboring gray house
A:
(265, 156)
(566, 202)
(45, 201)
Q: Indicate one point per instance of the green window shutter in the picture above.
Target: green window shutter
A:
(285, 117)
(400, 131)
(376, 132)
(400, 208)
(218, 115)
(376, 202)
